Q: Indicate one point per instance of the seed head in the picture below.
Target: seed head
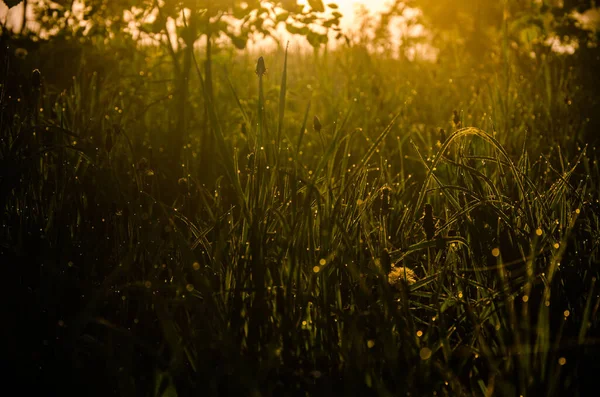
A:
(385, 261)
(317, 124)
(456, 119)
(401, 274)
(442, 135)
(36, 78)
(428, 222)
(260, 67)
(385, 199)
(428, 210)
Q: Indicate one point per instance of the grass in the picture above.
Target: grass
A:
(257, 262)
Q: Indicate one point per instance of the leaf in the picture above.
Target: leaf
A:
(316, 5)
(296, 30)
(238, 42)
(282, 17)
(12, 3)
(316, 39)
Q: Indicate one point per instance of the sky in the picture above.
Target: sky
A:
(348, 7)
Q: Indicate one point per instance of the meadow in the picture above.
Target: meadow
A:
(297, 223)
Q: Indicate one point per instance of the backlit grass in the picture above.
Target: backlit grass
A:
(343, 224)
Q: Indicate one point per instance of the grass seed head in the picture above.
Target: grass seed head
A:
(382, 202)
(36, 78)
(260, 67)
(385, 200)
(401, 274)
(428, 221)
(456, 119)
(317, 124)
(428, 210)
(442, 135)
(385, 261)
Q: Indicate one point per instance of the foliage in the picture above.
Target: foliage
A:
(11, 3)
(483, 27)
(237, 20)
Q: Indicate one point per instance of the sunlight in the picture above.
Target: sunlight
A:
(348, 8)
(337, 197)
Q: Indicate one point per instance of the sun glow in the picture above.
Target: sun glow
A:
(349, 9)
(359, 19)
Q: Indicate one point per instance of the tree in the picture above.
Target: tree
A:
(11, 3)
(178, 25)
(480, 27)
(526, 36)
